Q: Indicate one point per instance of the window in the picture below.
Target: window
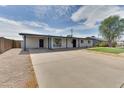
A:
(57, 42)
(89, 41)
(82, 41)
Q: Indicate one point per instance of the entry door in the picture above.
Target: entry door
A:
(41, 43)
(74, 42)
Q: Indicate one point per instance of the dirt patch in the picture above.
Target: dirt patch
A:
(32, 82)
(16, 70)
(121, 54)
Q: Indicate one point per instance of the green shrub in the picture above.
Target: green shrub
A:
(101, 44)
(97, 44)
(114, 44)
(105, 44)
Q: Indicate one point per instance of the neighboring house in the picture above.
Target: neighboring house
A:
(52, 42)
(95, 40)
(120, 43)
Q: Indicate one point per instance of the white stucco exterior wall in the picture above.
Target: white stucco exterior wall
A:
(85, 43)
(22, 44)
(69, 42)
(63, 43)
(33, 42)
(77, 43)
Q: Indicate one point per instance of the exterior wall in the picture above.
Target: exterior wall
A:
(33, 42)
(51, 42)
(63, 42)
(22, 44)
(77, 43)
(69, 42)
(6, 44)
(85, 43)
(95, 42)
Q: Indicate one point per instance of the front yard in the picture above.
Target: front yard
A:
(108, 50)
(16, 70)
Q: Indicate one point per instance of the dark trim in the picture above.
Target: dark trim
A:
(25, 43)
(47, 35)
(66, 43)
(48, 43)
(74, 41)
(78, 42)
(41, 43)
(40, 35)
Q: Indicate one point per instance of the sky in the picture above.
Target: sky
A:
(54, 20)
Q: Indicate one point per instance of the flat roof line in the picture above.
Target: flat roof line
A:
(57, 36)
(47, 35)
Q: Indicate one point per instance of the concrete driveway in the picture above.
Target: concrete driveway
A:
(77, 68)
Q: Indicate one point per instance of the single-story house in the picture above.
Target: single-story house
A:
(52, 42)
(95, 40)
(120, 43)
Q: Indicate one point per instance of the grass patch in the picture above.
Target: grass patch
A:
(108, 50)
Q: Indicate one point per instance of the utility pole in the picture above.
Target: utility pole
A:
(71, 32)
(98, 35)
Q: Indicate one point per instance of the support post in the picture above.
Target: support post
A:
(78, 42)
(50, 46)
(48, 43)
(24, 42)
(66, 43)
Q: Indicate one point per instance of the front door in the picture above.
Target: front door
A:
(74, 42)
(41, 43)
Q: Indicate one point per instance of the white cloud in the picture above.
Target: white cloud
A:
(54, 12)
(11, 28)
(94, 14)
(3, 5)
(35, 24)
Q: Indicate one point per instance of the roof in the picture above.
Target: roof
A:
(46, 35)
(28, 34)
(94, 38)
(39, 35)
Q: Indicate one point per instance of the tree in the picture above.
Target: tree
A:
(111, 28)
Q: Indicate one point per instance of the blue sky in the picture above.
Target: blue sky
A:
(54, 20)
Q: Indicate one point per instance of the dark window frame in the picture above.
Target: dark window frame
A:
(82, 41)
(89, 41)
